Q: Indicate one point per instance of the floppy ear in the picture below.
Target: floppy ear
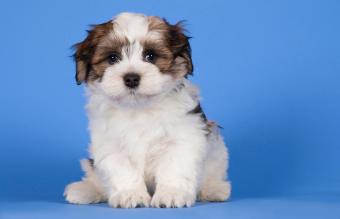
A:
(83, 56)
(82, 68)
(85, 50)
(180, 45)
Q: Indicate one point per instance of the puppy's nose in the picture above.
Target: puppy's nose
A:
(131, 80)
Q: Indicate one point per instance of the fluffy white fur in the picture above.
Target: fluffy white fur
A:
(148, 150)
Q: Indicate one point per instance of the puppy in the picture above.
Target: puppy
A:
(151, 144)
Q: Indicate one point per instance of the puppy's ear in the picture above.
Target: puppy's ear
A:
(84, 50)
(180, 45)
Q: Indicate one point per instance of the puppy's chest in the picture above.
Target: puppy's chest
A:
(132, 129)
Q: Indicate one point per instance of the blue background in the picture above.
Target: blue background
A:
(269, 73)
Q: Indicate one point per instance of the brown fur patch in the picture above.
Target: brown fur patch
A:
(164, 56)
(108, 45)
(86, 49)
(173, 50)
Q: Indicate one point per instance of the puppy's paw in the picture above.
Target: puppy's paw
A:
(130, 199)
(170, 197)
(82, 193)
(215, 191)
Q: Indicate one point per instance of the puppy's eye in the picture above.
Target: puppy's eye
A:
(150, 56)
(113, 58)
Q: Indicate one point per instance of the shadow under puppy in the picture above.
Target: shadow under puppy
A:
(151, 144)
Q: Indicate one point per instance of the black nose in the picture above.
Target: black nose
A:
(131, 80)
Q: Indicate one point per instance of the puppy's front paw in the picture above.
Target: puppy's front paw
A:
(130, 199)
(170, 197)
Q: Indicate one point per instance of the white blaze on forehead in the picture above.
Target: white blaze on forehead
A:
(132, 26)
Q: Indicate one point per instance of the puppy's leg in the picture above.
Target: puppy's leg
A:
(86, 191)
(124, 181)
(215, 187)
(178, 173)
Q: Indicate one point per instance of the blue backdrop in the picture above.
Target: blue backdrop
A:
(269, 73)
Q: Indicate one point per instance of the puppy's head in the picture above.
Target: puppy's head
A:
(133, 58)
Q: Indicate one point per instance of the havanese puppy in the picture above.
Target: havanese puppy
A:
(151, 144)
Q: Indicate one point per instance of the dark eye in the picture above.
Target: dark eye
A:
(113, 58)
(150, 56)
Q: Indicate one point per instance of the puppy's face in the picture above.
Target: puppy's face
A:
(133, 59)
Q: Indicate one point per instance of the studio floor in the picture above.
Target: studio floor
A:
(321, 206)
